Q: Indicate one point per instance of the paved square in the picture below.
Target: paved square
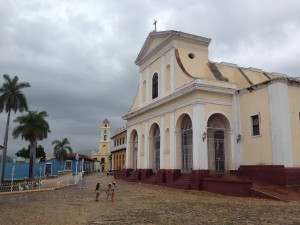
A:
(137, 203)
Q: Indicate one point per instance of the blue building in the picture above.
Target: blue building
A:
(50, 168)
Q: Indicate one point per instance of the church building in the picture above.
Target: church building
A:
(104, 149)
(193, 117)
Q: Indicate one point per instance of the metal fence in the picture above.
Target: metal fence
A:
(43, 184)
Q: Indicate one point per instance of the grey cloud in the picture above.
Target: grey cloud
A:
(79, 56)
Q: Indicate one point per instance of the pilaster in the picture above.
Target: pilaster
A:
(162, 142)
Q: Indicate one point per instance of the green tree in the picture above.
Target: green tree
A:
(11, 99)
(32, 127)
(25, 153)
(61, 149)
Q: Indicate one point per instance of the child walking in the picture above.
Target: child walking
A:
(113, 190)
(97, 191)
(109, 192)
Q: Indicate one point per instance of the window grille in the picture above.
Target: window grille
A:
(68, 165)
(156, 149)
(187, 145)
(255, 125)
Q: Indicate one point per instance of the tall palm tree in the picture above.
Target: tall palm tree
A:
(32, 127)
(11, 99)
(61, 149)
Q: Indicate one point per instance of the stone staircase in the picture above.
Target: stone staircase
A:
(183, 182)
(266, 190)
(150, 180)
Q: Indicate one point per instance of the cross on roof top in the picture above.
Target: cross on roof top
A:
(154, 24)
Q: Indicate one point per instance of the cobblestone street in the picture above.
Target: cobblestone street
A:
(141, 204)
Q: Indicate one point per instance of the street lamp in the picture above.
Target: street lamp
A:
(40, 174)
(12, 177)
(77, 158)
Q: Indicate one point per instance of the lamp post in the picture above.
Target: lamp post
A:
(40, 174)
(82, 166)
(77, 158)
(12, 177)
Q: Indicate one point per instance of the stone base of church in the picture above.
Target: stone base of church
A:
(275, 174)
(226, 185)
(145, 173)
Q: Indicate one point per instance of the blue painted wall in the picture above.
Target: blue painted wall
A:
(22, 169)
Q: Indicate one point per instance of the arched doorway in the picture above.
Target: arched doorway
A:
(134, 148)
(187, 144)
(218, 132)
(156, 149)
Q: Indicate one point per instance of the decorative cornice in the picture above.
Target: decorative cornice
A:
(198, 101)
(194, 86)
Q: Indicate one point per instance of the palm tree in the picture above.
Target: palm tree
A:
(61, 148)
(11, 99)
(32, 127)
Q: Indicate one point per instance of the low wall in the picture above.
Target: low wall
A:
(275, 174)
(227, 187)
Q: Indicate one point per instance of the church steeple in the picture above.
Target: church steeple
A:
(105, 137)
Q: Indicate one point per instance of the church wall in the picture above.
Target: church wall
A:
(135, 104)
(167, 73)
(196, 67)
(180, 79)
(154, 44)
(234, 76)
(257, 150)
(143, 88)
(294, 107)
(167, 141)
(255, 77)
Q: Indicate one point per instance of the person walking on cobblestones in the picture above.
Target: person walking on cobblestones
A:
(109, 192)
(113, 190)
(97, 191)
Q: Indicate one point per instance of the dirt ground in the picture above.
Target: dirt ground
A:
(137, 203)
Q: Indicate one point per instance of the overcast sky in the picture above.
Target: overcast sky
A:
(79, 56)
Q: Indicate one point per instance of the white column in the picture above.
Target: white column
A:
(203, 154)
(139, 146)
(162, 142)
(128, 151)
(172, 141)
(163, 76)
(147, 84)
(237, 146)
(172, 70)
(146, 147)
(141, 90)
(280, 124)
(196, 136)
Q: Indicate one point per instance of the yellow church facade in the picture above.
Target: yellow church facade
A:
(103, 155)
(194, 117)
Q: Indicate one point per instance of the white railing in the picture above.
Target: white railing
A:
(44, 184)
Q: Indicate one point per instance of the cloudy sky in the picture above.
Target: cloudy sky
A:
(79, 55)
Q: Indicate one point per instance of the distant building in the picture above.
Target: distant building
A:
(119, 150)
(195, 117)
(103, 154)
(51, 167)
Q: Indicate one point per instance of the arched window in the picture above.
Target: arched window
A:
(155, 86)
(144, 91)
(187, 145)
(156, 148)
(167, 77)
